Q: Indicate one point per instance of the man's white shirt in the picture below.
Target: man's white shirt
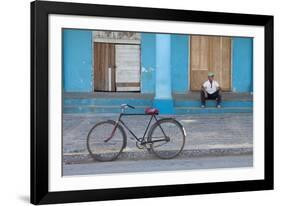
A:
(211, 87)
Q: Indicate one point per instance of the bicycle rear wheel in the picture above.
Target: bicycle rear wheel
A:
(98, 146)
(167, 138)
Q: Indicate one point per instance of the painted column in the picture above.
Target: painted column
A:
(163, 85)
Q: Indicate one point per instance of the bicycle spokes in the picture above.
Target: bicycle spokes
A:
(103, 144)
(167, 138)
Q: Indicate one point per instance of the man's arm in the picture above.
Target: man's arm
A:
(204, 90)
(218, 87)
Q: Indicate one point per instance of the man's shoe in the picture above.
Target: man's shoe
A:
(202, 106)
(218, 106)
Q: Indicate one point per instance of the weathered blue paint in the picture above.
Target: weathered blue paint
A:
(165, 106)
(242, 64)
(110, 110)
(77, 60)
(116, 102)
(179, 62)
(163, 88)
(93, 109)
(148, 62)
(213, 110)
(112, 105)
(107, 102)
(212, 103)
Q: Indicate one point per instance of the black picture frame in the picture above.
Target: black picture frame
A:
(40, 109)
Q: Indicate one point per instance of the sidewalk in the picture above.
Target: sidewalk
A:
(207, 135)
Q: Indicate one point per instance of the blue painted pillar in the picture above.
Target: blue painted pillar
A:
(163, 84)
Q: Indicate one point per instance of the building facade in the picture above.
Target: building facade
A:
(150, 63)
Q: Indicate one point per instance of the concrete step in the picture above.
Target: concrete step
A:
(112, 95)
(140, 109)
(136, 95)
(149, 102)
(107, 102)
(226, 96)
(101, 109)
(184, 104)
(212, 103)
(208, 110)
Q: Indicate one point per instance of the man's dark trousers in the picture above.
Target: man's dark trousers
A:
(216, 95)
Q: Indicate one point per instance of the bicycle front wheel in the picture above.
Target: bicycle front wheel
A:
(104, 143)
(167, 138)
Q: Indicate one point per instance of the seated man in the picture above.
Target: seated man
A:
(210, 90)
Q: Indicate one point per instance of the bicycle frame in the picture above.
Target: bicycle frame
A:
(130, 131)
(141, 140)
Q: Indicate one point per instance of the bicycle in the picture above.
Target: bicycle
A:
(165, 138)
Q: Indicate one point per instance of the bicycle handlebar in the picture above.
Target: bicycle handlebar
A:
(127, 105)
(131, 106)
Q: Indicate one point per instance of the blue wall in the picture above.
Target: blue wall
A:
(148, 62)
(242, 64)
(179, 63)
(77, 60)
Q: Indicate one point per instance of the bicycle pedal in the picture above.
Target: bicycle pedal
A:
(139, 145)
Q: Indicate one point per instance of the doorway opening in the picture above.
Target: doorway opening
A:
(117, 62)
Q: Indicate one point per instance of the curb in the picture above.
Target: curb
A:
(83, 158)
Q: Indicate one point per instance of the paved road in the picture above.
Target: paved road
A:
(203, 131)
(158, 165)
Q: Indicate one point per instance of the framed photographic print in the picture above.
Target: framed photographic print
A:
(131, 102)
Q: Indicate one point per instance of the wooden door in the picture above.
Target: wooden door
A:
(104, 67)
(127, 67)
(209, 53)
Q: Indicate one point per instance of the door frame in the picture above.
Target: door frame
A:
(189, 61)
(93, 65)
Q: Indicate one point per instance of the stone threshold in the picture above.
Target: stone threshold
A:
(228, 96)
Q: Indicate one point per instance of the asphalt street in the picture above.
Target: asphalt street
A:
(158, 165)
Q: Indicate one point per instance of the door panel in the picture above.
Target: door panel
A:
(199, 54)
(104, 67)
(226, 63)
(127, 67)
(208, 53)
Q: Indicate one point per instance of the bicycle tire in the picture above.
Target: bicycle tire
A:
(169, 150)
(106, 151)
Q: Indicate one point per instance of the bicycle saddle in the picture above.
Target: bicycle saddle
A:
(151, 111)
